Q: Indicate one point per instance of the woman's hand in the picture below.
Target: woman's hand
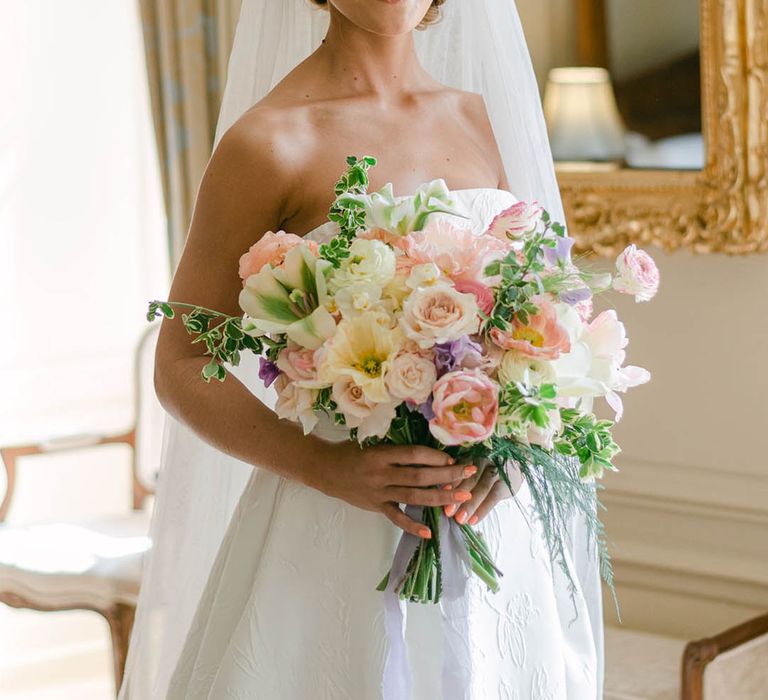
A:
(488, 490)
(379, 478)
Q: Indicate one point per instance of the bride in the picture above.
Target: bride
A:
(268, 544)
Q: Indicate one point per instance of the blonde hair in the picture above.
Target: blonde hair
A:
(432, 16)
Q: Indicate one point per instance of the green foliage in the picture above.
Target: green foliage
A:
(521, 276)
(223, 336)
(348, 214)
(520, 405)
(588, 439)
(560, 496)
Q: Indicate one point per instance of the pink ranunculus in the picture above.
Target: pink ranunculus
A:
(457, 252)
(543, 337)
(271, 249)
(514, 223)
(483, 293)
(637, 274)
(466, 406)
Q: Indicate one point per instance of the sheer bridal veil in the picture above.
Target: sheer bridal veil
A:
(478, 46)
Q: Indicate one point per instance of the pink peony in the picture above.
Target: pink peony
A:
(514, 223)
(637, 274)
(270, 249)
(483, 294)
(457, 252)
(543, 337)
(465, 406)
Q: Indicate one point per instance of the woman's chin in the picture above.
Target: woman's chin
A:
(384, 17)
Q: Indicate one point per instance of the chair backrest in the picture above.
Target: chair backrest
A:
(739, 674)
(729, 665)
(149, 416)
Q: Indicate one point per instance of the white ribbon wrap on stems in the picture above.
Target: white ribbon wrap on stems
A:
(456, 564)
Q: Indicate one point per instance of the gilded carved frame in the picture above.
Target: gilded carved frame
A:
(722, 208)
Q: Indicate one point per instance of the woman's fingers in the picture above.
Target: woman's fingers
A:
(393, 513)
(417, 454)
(498, 493)
(479, 493)
(467, 484)
(428, 476)
(425, 497)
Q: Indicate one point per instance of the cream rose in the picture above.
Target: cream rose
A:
(370, 418)
(439, 314)
(411, 377)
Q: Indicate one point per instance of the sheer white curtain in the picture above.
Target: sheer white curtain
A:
(82, 228)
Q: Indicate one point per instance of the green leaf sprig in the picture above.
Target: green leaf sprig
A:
(349, 215)
(589, 439)
(223, 336)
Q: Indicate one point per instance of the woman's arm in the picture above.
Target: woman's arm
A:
(242, 195)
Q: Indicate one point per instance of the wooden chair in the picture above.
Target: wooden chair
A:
(732, 665)
(91, 564)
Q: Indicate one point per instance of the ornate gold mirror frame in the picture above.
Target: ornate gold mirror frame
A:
(722, 208)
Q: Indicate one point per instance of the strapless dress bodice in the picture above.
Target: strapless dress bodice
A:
(481, 204)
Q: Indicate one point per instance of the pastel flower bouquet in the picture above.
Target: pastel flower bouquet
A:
(407, 327)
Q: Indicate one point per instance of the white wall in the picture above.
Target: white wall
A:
(688, 513)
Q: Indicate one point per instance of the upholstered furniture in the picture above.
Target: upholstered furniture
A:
(732, 665)
(89, 564)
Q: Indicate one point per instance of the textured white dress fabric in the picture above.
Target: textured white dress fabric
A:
(290, 610)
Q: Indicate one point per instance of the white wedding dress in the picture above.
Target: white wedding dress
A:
(290, 610)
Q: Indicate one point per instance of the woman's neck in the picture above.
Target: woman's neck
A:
(360, 62)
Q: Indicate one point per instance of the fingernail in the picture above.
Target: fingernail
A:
(473, 520)
(451, 460)
(451, 509)
(448, 487)
(425, 532)
(461, 517)
(462, 496)
(470, 470)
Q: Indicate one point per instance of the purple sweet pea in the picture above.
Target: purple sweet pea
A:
(450, 355)
(561, 253)
(574, 296)
(426, 409)
(268, 371)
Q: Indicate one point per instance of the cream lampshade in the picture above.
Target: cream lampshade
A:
(582, 117)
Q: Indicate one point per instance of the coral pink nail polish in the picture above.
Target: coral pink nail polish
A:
(473, 520)
(461, 517)
(448, 487)
(462, 496)
(425, 532)
(470, 471)
(451, 509)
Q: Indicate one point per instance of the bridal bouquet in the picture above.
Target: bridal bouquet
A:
(408, 327)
